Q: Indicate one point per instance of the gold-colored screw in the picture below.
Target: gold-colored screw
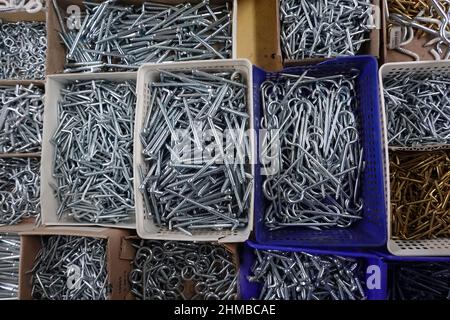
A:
(420, 194)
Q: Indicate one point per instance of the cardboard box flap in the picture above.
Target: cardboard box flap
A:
(24, 226)
(22, 15)
(95, 232)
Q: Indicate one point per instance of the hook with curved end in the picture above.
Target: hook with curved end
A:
(268, 189)
(445, 20)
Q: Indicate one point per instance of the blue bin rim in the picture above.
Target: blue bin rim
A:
(345, 253)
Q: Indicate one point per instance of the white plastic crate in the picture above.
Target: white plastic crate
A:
(430, 247)
(146, 228)
(49, 202)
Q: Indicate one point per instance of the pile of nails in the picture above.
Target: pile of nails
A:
(21, 115)
(419, 281)
(417, 108)
(176, 270)
(196, 148)
(312, 151)
(19, 189)
(23, 47)
(302, 276)
(416, 19)
(113, 37)
(9, 265)
(70, 268)
(420, 194)
(323, 28)
(93, 151)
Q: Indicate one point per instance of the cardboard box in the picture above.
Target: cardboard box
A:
(25, 83)
(416, 45)
(16, 230)
(21, 15)
(189, 286)
(49, 202)
(371, 47)
(56, 49)
(25, 225)
(28, 223)
(117, 264)
(257, 33)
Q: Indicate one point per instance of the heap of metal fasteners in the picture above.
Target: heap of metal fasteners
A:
(419, 18)
(9, 265)
(70, 268)
(302, 276)
(176, 270)
(93, 151)
(419, 281)
(323, 28)
(19, 189)
(313, 141)
(21, 115)
(420, 194)
(113, 37)
(186, 187)
(23, 47)
(418, 108)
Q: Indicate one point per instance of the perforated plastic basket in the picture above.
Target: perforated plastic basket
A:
(432, 247)
(371, 230)
(146, 228)
(250, 290)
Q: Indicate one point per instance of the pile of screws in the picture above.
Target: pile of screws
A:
(19, 189)
(21, 115)
(323, 28)
(70, 268)
(417, 108)
(112, 37)
(313, 140)
(181, 270)
(185, 187)
(302, 276)
(419, 281)
(422, 18)
(93, 163)
(9, 265)
(420, 194)
(23, 47)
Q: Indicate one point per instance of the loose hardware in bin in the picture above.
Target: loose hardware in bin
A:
(9, 265)
(19, 189)
(193, 151)
(293, 273)
(21, 115)
(308, 200)
(409, 139)
(87, 152)
(167, 270)
(417, 278)
(23, 45)
(147, 32)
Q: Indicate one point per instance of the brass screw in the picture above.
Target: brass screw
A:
(420, 194)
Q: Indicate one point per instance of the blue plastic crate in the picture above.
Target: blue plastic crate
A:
(371, 231)
(250, 290)
(388, 259)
